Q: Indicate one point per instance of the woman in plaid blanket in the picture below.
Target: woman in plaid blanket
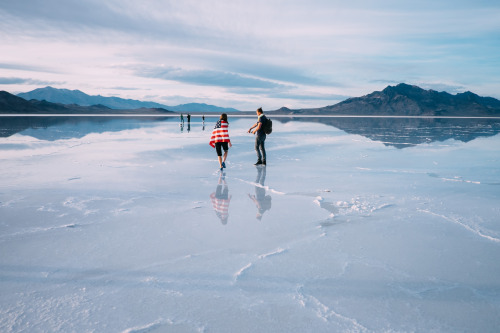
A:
(220, 140)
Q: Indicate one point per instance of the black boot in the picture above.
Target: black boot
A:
(259, 162)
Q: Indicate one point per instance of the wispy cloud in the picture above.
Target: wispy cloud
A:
(17, 80)
(27, 67)
(206, 77)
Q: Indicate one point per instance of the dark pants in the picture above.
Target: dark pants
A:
(219, 146)
(260, 148)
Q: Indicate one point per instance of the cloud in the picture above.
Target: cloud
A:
(206, 77)
(310, 97)
(17, 80)
(26, 67)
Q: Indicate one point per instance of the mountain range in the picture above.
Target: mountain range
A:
(399, 100)
(408, 100)
(12, 104)
(66, 96)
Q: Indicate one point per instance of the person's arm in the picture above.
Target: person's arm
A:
(259, 125)
(255, 125)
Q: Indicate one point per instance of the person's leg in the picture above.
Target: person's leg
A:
(218, 149)
(257, 149)
(226, 149)
(263, 149)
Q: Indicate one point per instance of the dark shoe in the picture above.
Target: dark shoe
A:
(263, 162)
(259, 162)
(223, 164)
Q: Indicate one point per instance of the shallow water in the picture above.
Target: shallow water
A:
(357, 224)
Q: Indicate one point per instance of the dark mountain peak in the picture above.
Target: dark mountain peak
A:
(407, 90)
(6, 96)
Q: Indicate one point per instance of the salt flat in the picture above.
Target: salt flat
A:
(127, 225)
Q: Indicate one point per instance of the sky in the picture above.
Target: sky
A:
(249, 54)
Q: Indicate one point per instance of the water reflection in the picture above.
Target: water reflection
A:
(395, 132)
(71, 127)
(261, 200)
(408, 132)
(220, 200)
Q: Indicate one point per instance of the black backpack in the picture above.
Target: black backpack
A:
(268, 126)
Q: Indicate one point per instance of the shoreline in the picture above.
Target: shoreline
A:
(134, 115)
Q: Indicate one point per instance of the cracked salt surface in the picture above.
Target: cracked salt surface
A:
(132, 228)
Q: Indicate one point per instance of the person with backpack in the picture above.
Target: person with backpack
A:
(259, 129)
(220, 140)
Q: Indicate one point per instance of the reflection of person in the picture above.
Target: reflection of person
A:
(220, 139)
(261, 200)
(220, 200)
(260, 137)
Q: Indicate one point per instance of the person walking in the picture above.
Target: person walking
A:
(260, 137)
(220, 140)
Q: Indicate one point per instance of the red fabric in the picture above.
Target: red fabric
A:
(220, 133)
(221, 206)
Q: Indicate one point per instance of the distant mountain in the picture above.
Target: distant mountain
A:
(407, 100)
(11, 104)
(65, 96)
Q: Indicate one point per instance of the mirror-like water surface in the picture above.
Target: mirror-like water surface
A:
(356, 224)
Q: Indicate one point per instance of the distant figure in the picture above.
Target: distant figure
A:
(220, 140)
(189, 118)
(182, 119)
(220, 200)
(203, 118)
(260, 137)
(261, 200)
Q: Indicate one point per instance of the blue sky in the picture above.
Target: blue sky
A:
(246, 54)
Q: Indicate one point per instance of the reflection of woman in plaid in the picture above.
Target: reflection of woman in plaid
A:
(220, 200)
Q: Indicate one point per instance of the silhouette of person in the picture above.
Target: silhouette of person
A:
(261, 200)
(189, 118)
(182, 119)
(220, 200)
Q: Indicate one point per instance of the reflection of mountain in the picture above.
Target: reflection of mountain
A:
(407, 132)
(69, 127)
